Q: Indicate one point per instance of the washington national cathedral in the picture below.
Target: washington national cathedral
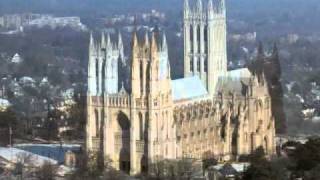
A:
(150, 117)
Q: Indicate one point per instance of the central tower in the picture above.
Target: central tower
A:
(205, 46)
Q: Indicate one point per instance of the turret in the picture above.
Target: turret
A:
(92, 47)
(121, 49)
(92, 78)
(134, 40)
(135, 67)
(210, 10)
(109, 44)
(164, 43)
(91, 40)
(186, 9)
(154, 47)
(199, 6)
(103, 41)
(164, 63)
(146, 40)
(154, 59)
(222, 7)
(275, 52)
(120, 42)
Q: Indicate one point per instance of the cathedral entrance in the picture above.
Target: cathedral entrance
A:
(124, 154)
(144, 164)
(124, 161)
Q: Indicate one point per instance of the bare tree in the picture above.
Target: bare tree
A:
(181, 169)
(25, 159)
(47, 171)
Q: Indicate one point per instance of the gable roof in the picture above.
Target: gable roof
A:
(239, 73)
(188, 88)
(234, 81)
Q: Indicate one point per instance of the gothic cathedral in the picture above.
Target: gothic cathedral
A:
(210, 112)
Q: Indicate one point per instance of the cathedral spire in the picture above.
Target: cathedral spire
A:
(186, 7)
(135, 49)
(135, 66)
(108, 40)
(223, 6)
(199, 5)
(120, 47)
(260, 51)
(103, 40)
(154, 42)
(92, 79)
(165, 64)
(275, 52)
(120, 42)
(91, 41)
(146, 39)
(164, 42)
(210, 9)
(134, 39)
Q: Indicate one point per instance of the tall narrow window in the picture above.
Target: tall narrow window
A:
(191, 39)
(191, 64)
(199, 65)
(199, 38)
(206, 39)
(146, 126)
(148, 78)
(96, 113)
(104, 71)
(206, 65)
(101, 117)
(141, 135)
(141, 77)
(97, 75)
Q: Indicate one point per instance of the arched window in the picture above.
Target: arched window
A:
(97, 74)
(206, 65)
(199, 38)
(206, 39)
(141, 134)
(191, 38)
(146, 125)
(148, 77)
(96, 114)
(101, 116)
(191, 64)
(124, 130)
(141, 77)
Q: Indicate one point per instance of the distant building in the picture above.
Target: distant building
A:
(227, 171)
(4, 104)
(54, 22)
(16, 59)
(1, 22)
(250, 37)
(292, 38)
(27, 81)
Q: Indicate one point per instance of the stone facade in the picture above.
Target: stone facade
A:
(211, 112)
